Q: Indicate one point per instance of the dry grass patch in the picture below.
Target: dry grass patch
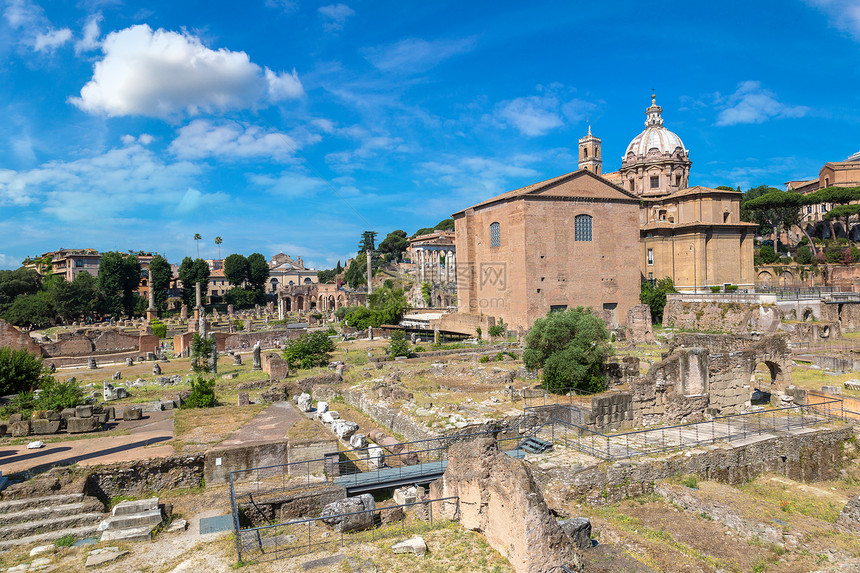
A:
(199, 428)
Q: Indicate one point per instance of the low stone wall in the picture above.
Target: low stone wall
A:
(268, 508)
(142, 477)
(219, 462)
(734, 317)
(836, 363)
(312, 452)
(805, 457)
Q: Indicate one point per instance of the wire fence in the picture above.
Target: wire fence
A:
(559, 429)
(322, 533)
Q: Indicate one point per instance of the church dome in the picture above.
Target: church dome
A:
(655, 135)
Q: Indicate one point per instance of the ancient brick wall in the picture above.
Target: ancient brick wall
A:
(730, 317)
(111, 341)
(13, 338)
(78, 345)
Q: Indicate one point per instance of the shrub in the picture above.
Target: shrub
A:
(767, 255)
(571, 347)
(512, 355)
(397, 345)
(691, 482)
(20, 371)
(201, 351)
(731, 288)
(59, 395)
(159, 329)
(803, 255)
(309, 350)
(715, 288)
(500, 356)
(22, 403)
(65, 541)
(419, 349)
(479, 332)
(484, 359)
(497, 330)
(202, 393)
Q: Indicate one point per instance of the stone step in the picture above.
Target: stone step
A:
(143, 533)
(43, 538)
(145, 518)
(135, 506)
(31, 528)
(89, 505)
(16, 505)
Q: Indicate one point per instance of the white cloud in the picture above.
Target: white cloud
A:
(164, 73)
(371, 145)
(90, 39)
(335, 16)
(21, 13)
(51, 40)
(118, 182)
(193, 200)
(753, 104)
(289, 184)
(202, 138)
(843, 14)
(8, 262)
(143, 139)
(415, 55)
(286, 6)
(538, 115)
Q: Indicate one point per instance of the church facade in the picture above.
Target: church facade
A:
(589, 238)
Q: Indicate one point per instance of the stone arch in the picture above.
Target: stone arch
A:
(787, 276)
(300, 302)
(331, 302)
(765, 278)
(808, 314)
(824, 331)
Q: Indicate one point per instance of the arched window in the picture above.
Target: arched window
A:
(495, 235)
(582, 228)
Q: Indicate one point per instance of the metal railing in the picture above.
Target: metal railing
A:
(313, 534)
(623, 445)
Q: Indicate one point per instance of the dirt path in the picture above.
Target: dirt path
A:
(145, 440)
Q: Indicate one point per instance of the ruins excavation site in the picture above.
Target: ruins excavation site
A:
(705, 452)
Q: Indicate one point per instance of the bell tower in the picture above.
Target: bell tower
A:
(589, 153)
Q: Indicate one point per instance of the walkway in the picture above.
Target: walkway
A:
(145, 441)
(270, 425)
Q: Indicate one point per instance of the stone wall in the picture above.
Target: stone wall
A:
(639, 328)
(275, 366)
(731, 317)
(268, 508)
(807, 457)
(708, 373)
(315, 451)
(15, 339)
(219, 462)
(143, 477)
(110, 341)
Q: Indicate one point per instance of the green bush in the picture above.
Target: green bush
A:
(690, 481)
(397, 345)
(484, 359)
(731, 288)
(654, 295)
(309, 350)
(202, 393)
(159, 329)
(571, 347)
(65, 541)
(498, 330)
(512, 355)
(419, 349)
(59, 395)
(20, 371)
(767, 255)
(500, 356)
(23, 403)
(479, 332)
(715, 288)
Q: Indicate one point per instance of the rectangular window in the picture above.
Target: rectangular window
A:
(582, 228)
(655, 182)
(557, 307)
(650, 256)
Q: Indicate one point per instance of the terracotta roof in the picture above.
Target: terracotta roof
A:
(535, 188)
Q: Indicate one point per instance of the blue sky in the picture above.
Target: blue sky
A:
(283, 125)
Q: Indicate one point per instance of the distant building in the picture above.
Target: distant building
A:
(434, 256)
(284, 271)
(832, 174)
(69, 263)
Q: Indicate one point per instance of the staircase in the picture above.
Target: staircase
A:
(45, 519)
(534, 445)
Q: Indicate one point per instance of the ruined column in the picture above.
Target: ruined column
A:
(258, 365)
(369, 277)
(198, 298)
(213, 357)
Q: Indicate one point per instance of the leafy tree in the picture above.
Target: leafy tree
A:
(843, 213)
(244, 297)
(21, 371)
(423, 231)
(445, 225)
(385, 306)
(32, 310)
(161, 275)
(426, 292)
(236, 269)
(327, 276)
(394, 244)
(21, 281)
(497, 330)
(766, 256)
(57, 395)
(355, 274)
(775, 209)
(193, 271)
(202, 393)
(80, 298)
(258, 271)
(309, 350)
(119, 278)
(368, 242)
(159, 329)
(654, 295)
(571, 347)
(397, 344)
(339, 268)
(804, 255)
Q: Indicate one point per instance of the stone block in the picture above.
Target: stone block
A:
(84, 411)
(304, 402)
(404, 495)
(358, 441)
(322, 408)
(579, 530)
(244, 400)
(344, 429)
(3, 429)
(20, 429)
(81, 425)
(133, 413)
(44, 427)
(135, 506)
(53, 415)
(329, 417)
(361, 509)
(415, 545)
(68, 413)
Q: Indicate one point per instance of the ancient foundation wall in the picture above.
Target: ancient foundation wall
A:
(730, 317)
(144, 477)
(219, 462)
(805, 457)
